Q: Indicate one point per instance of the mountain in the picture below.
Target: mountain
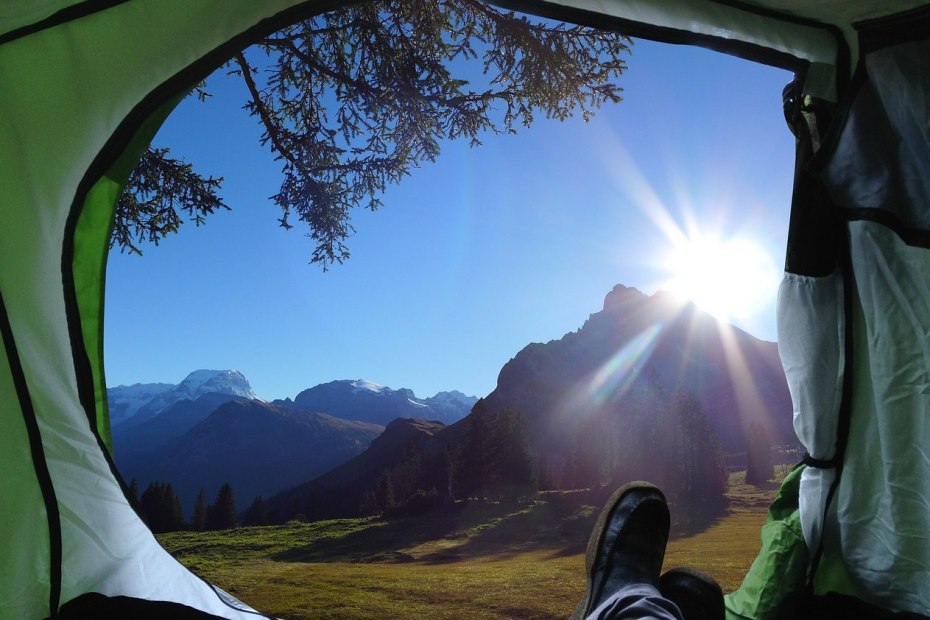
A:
(340, 491)
(151, 434)
(638, 343)
(259, 448)
(135, 404)
(125, 401)
(637, 351)
(370, 402)
(647, 388)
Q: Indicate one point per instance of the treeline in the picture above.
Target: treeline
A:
(161, 509)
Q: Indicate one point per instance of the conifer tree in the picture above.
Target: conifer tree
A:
(759, 468)
(162, 508)
(700, 475)
(221, 515)
(199, 516)
(384, 493)
(352, 100)
(473, 470)
(513, 468)
(256, 513)
(134, 492)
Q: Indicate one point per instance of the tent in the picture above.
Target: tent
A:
(85, 84)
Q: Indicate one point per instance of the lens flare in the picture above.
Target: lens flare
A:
(617, 374)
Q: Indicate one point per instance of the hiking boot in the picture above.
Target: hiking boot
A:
(627, 545)
(697, 594)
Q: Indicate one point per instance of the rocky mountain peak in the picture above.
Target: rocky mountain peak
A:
(230, 382)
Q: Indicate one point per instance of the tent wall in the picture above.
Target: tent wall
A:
(877, 174)
(853, 331)
(78, 87)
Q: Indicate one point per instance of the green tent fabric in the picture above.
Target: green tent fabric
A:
(85, 86)
(776, 580)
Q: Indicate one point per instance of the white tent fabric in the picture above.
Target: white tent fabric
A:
(877, 174)
(811, 332)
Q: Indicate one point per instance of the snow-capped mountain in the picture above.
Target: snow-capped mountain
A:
(448, 407)
(370, 402)
(230, 382)
(143, 401)
(126, 400)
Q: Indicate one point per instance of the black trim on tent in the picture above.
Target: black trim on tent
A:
(843, 54)
(844, 417)
(912, 25)
(915, 237)
(818, 463)
(665, 34)
(813, 245)
(38, 459)
(93, 605)
(65, 15)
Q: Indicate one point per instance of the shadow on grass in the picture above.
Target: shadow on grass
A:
(559, 522)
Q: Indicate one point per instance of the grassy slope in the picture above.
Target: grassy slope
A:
(480, 562)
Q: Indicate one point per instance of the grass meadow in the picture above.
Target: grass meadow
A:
(478, 562)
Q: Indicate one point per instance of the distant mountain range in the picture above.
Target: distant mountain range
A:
(211, 429)
(370, 402)
(638, 352)
(257, 447)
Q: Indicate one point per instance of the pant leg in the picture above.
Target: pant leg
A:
(636, 602)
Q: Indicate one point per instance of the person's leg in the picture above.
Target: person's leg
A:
(624, 559)
(625, 554)
(636, 602)
(697, 594)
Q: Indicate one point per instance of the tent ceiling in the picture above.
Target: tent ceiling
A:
(15, 15)
(839, 12)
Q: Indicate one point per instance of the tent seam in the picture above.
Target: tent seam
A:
(39, 463)
(843, 54)
(65, 15)
(667, 34)
(904, 27)
(914, 237)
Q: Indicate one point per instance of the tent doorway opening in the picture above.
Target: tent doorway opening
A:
(471, 259)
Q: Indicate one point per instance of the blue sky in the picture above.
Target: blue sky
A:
(471, 258)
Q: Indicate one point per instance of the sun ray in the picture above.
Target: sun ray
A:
(725, 272)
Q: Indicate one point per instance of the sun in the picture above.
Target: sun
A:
(728, 278)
